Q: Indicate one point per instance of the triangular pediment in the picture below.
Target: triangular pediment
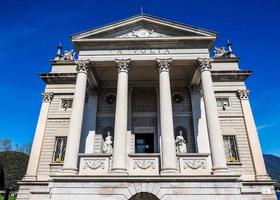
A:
(143, 26)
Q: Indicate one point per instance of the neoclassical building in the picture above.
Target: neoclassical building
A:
(144, 111)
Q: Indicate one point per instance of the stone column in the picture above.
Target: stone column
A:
(33, 163)
(76, 121)
(255, 147)
(120, 137)
(166, 119)
(89, 121)
(213, 124)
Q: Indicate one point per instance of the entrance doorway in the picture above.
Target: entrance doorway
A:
(144, 196)
(144, 143)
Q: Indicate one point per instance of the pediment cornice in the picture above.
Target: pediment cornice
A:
(143, 26)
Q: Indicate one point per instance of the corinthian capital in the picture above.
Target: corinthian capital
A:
(205, 64)
(164, 64)
(47, 96)
(83, 66)
(123, 65)
(243, 94)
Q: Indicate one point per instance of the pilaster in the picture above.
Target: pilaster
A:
(31, 173)
(254, 143)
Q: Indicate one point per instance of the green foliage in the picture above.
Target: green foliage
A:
(14, 167)
(273, 168)
(10, 198)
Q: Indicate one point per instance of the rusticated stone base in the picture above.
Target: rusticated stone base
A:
(155, 187)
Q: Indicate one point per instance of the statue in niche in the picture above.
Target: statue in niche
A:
(69, 55)
(181, 146)
(107, 146)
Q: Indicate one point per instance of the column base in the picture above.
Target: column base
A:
(220, 171)
(69, 171)
(119, 171)
(169, 171)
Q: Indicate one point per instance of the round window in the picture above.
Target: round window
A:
(177, 98)
(110, 99)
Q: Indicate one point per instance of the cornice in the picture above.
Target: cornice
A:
(58, 78)
(226, 60)
(230, 75)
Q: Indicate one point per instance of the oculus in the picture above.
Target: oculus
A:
(177, 98)
(110, 99)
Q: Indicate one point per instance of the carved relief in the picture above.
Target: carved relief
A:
(142, 33)
(83, 66)
(164, 64)
(47, 96)
(94, 164)
(243, 94)
(205, 63)
(123, 65)
(194, 164)
(143, 164)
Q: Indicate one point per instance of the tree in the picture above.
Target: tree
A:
(2, 177)
(24, 148)
(6, 145)
(14, 167)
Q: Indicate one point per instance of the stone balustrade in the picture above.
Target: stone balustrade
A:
(144, 164)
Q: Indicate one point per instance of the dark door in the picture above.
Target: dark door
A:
(144, 143)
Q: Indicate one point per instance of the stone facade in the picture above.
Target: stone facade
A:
(112, 120)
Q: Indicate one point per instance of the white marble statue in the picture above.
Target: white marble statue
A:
(69, 55)
(107, 146)
(181, 146)
(219, 52)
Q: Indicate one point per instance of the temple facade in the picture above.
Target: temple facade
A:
(145, 111)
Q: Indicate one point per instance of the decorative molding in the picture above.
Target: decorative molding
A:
(143, 164)
(164, 64)
(94, 164)
(243, 94)
(194, 164)
(123, 65)
(82, 66)
(205, 64)
(142, 33)
(66, 103)
(47, 96)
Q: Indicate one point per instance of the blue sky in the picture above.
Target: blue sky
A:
(30, 31)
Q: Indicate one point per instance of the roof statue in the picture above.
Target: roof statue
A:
(224, 52)
(67, 55)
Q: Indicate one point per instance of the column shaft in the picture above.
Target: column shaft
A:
(120, 136)
(33, 163)
(166, 119)
(213, 124)
(254, 143)
(75, 128)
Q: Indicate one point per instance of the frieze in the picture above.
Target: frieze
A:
(141, 51)
(194, 164)
(94, 164)
(143, 164)
(142, 33)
